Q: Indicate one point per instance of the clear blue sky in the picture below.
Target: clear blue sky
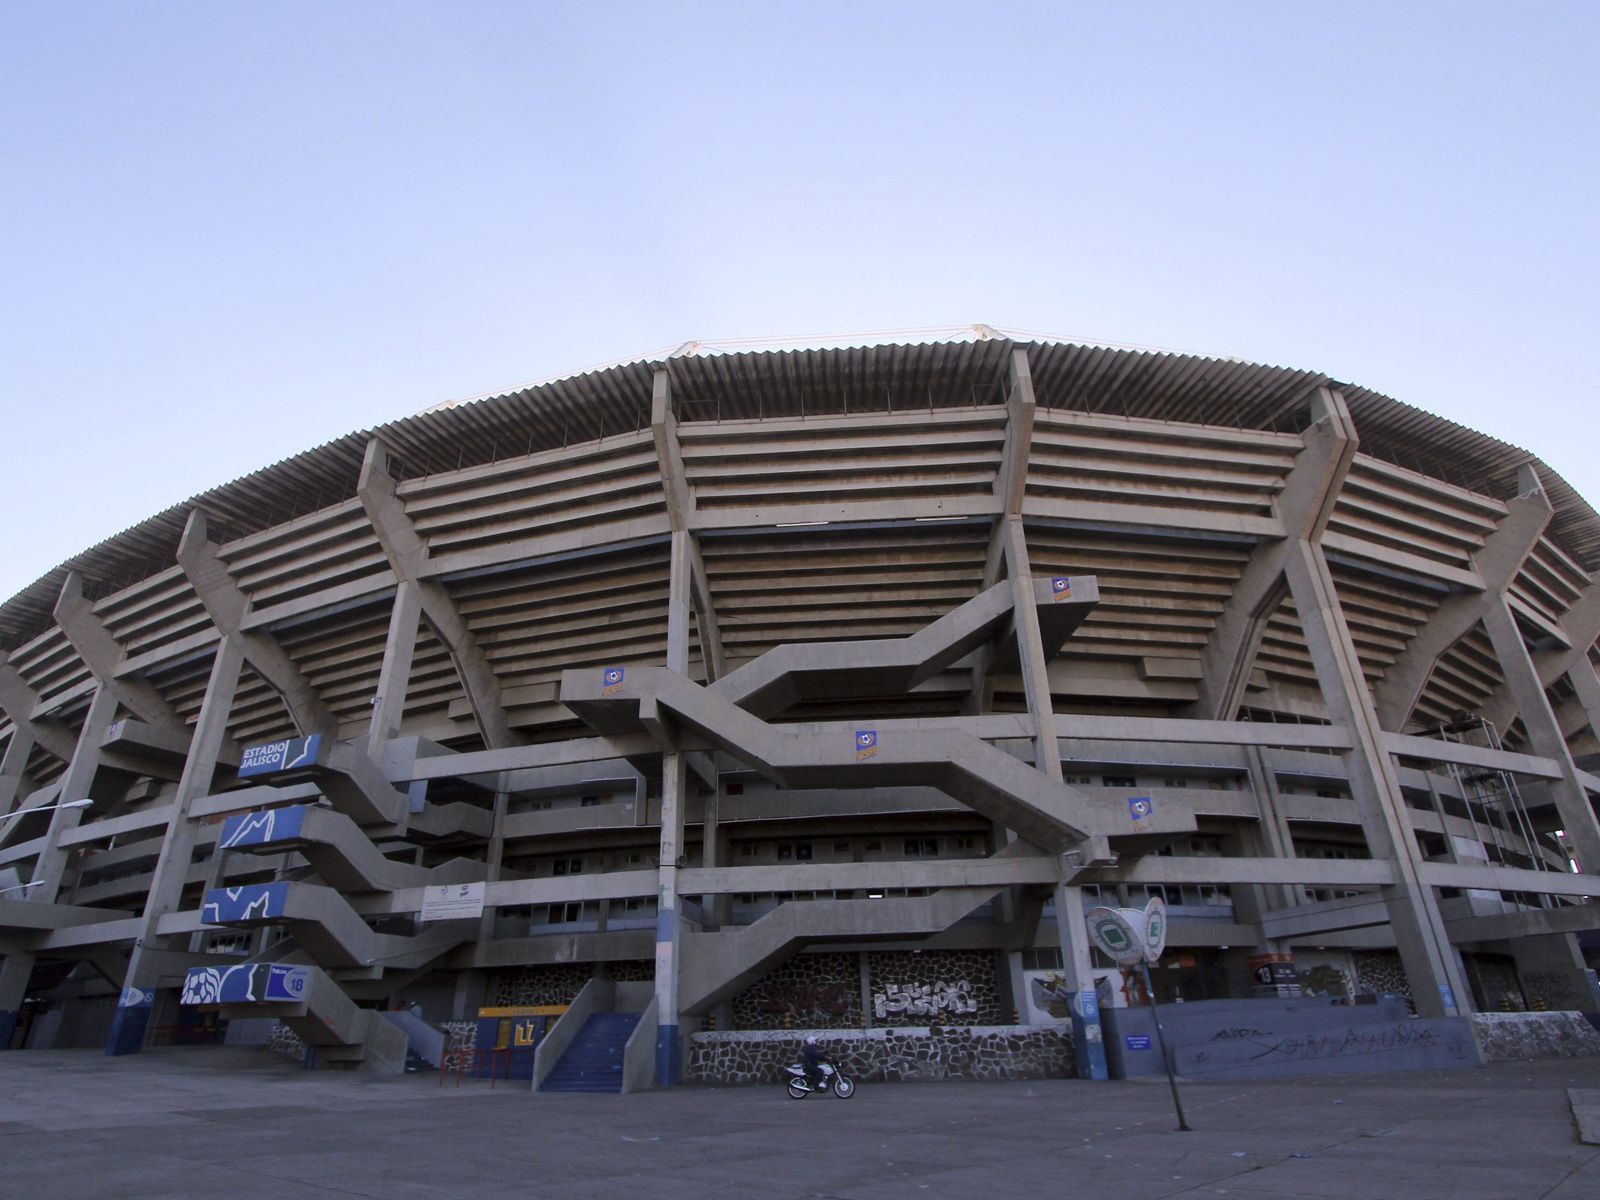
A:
(230, 232)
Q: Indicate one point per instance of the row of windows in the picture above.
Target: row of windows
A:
(574, 911)
(911, 847)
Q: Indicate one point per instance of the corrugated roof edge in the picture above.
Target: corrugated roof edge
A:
(326, 474)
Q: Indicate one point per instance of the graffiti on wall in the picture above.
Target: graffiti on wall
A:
(804, 1001)
(925, 999)
(1325, 980)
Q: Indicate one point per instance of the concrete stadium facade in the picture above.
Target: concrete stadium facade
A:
(814, 689)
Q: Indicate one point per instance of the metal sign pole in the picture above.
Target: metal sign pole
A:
(1161, 1044)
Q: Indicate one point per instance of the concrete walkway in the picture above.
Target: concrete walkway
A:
(207, 1122)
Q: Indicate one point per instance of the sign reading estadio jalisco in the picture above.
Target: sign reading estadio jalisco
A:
(279, 756)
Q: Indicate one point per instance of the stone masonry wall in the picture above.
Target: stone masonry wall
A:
(1515, 1037)
(886, 1055)
(1380, 971)
(813, 991)
(558, 983)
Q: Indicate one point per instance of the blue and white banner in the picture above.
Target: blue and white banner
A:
(262, 828)
(610, 680)
(252, 902)
(279, 983)
(279, 756)
(1140, 808)
(866, 743)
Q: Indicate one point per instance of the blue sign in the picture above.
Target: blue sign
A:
(610, 680)
(280, 983)
(279, 756)
(1140, 807)
(253, 902)
(261, 828)
(866, 743)
(1138, 1041)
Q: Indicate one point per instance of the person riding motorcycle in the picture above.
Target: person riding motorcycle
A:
(812, 1060)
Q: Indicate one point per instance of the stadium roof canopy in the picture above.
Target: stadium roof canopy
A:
(751, 380)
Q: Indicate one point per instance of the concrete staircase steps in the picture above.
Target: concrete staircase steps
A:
(593, 1063)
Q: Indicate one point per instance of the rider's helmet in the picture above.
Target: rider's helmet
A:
(811, 1041)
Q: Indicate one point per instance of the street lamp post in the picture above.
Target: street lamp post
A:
(22, 812)
(21, 887)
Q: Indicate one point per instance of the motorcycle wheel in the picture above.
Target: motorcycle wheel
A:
(798, 1090)
(844, 1087)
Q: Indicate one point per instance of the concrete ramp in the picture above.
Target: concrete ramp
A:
(719, 964)
(323, 922)
(336, 848)
(306, 1000)
(963, 766)
(792, 673)
(341, 771)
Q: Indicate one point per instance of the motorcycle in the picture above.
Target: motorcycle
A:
(840, 1084)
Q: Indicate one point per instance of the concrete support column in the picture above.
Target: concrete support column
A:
(494, 856)
(674, 799)
(1075, 961)
(1552, 972)
(1533, 705)
(1584, 682)
(177, 849)
(714, 854)
(389, 703)
(15, 971)
(76, 784)
(1277, 840)
(50, 865)
(669, 921)
(14, 767)
(1270, 838)
(1438, 985)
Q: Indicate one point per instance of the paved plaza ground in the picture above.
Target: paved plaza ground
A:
(243, 1124)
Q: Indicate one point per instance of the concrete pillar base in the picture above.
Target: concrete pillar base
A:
(128, 1027)
(669, 1056)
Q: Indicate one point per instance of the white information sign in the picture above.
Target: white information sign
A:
(452, 901)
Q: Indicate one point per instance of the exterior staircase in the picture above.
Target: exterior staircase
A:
(593, 1063)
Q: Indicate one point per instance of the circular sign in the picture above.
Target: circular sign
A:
(1155, 928)
(1111, 930)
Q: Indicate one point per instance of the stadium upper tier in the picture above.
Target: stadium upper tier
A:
(833, 493)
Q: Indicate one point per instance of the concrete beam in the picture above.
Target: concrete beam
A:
(1303, 508)
(1497, 563)
(228, 606)
(408, 557)
(1581, 625)
(1011, 481)
(19, 702)
(1438, 985)
(102, 655)
(680, 511)
(1536, 922)
(1544, 732)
